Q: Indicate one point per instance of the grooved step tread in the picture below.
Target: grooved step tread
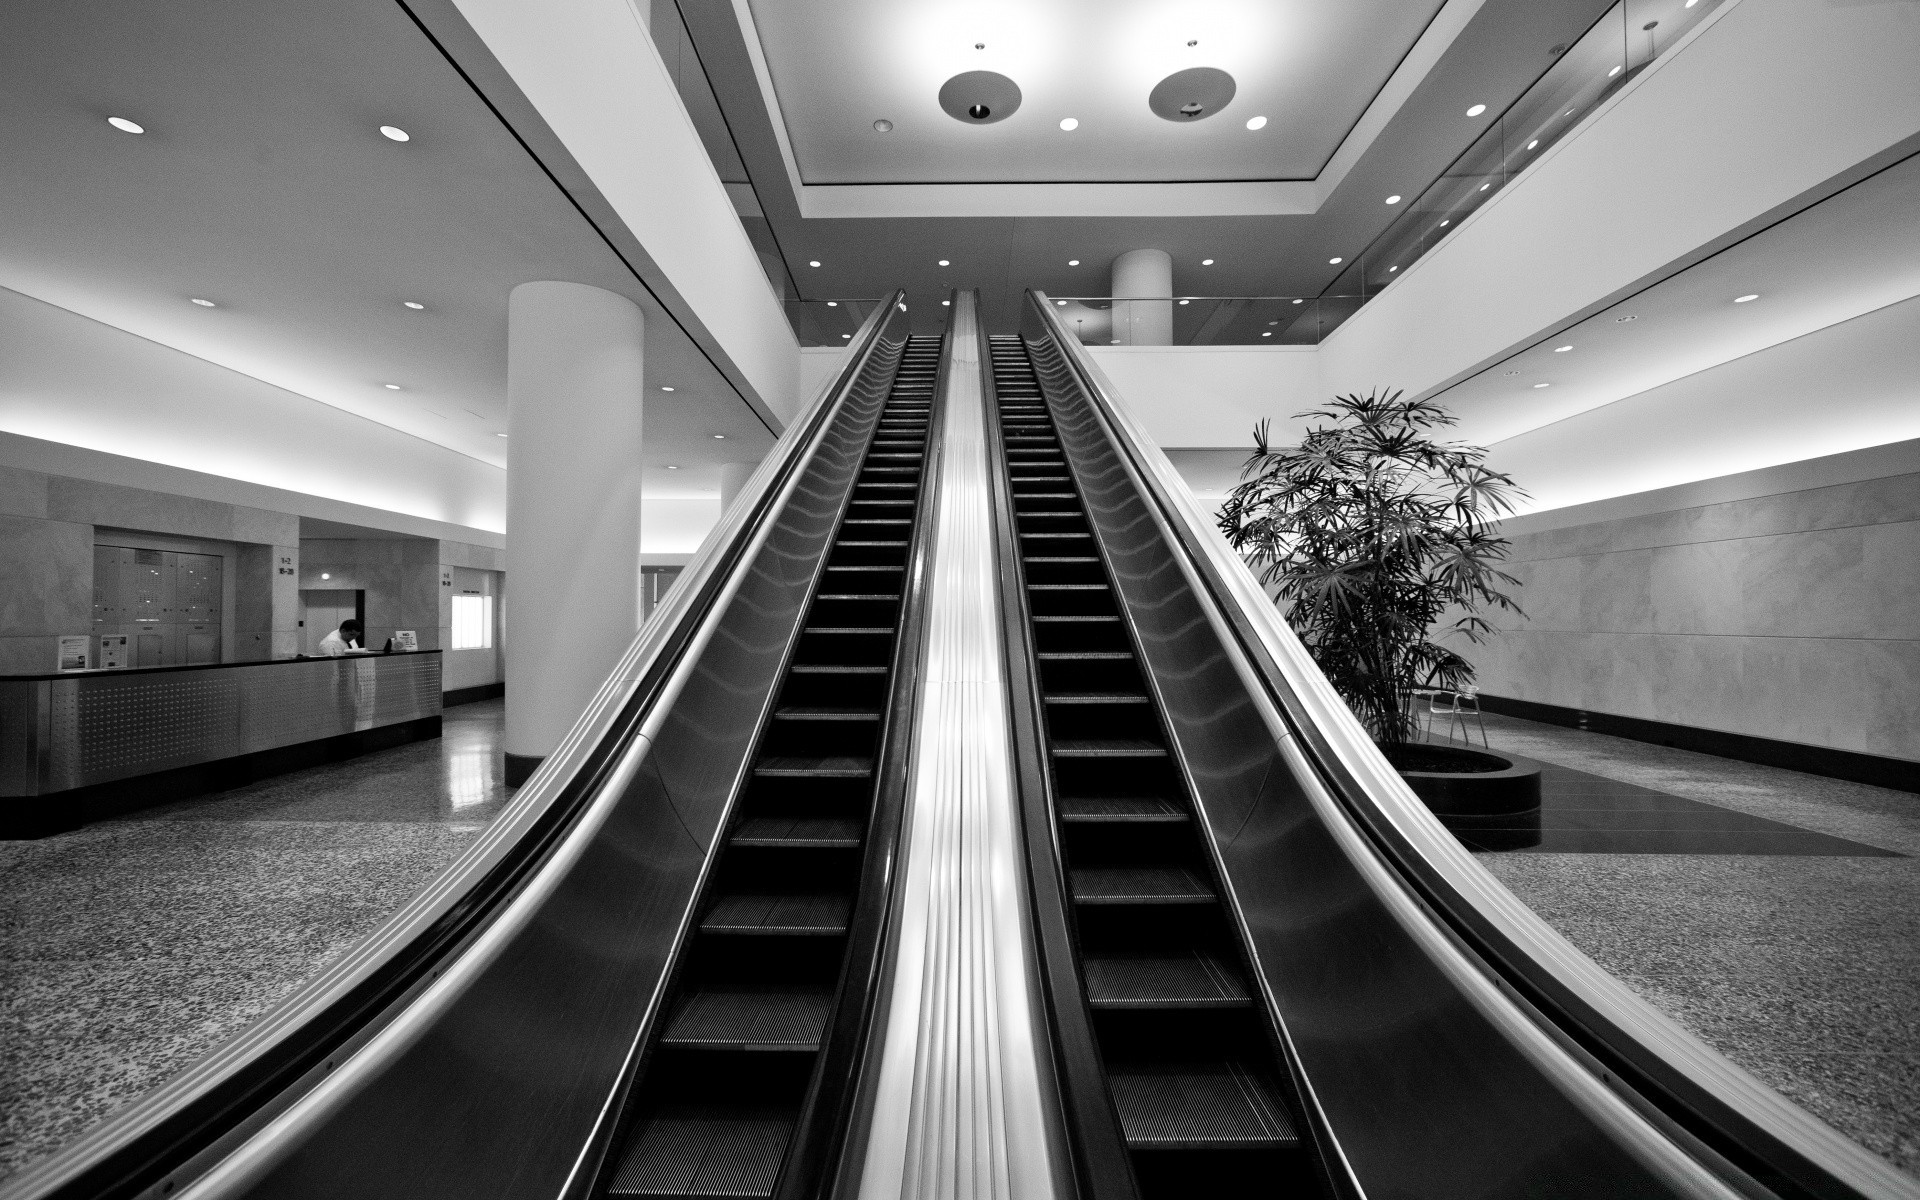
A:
(1078, 619)
(799, 833)
(804, 914)
(793, 766)
(710, 1152)
(825, 714)
(835, 669)
(1198, 1105)
(1193, 979)
(1107, 748)
(785, 1017)
(1082, 698)
(1117, 810)
(1083, 655)
(1139, 885)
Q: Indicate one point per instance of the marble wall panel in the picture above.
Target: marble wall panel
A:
(1889, 588)
(22, 493)
(265, 527)
(46, 577)
(1693, 588)
(29, 655)
(1803, 584)
(1614, 592)
(83, 500)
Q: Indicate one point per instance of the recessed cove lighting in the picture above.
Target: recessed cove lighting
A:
(392, 387)
(1561, 349)
(1256, 122)
(1069, 123)
(203, 303)
(1206, 262)
(813, 262)
(1393, 199)
(665, 388)
(1334, 262)
(1476, 110)
(881, 126)
(1073, 262)
(395, 133)
(415, 305)
(1747, 297)
(944, 262)
(1541, 385)
(125, 126)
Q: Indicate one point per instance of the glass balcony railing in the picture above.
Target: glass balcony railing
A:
(1616, 48)
(828, 322)
(1203, 320)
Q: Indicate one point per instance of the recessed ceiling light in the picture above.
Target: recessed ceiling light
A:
(1446, 222)
(665, 388)
(413, 304)
(1485, 186)
(1206, 262)
(1612, 73)
(203, 303)
(1476, 110)
(813, 262)
(833, 304)
(1268, 333)
(1747, 297)
(719, 437)
(1302, 300)
(945, 263)
(1114, 342)
(1561, 349)
(883, 126)
(1533, 143)
(1073, 262)
(1393, 199)
(326, 575)
(1391, 270)
(499, 435)
(672, 467)
(1541, 385)
(1061, 303)
(1273, 322)
(846, 335)
(1183, 302)
(1624, 320)
(1256, 122)
(1334, 262)
(395, 133)
(944, 303)
(1069, 123)
(124, 125)
(392, 387)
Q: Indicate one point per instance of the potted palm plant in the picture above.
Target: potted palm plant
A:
(1375, 536)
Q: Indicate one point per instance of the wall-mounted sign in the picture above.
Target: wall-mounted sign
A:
(113, 651)
(72, 654)
(405, 639)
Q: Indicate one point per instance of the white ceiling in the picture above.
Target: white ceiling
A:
(262, 183)
(1310, 67)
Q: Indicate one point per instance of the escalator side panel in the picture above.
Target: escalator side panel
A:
(1424, 1094)
(512, 1070)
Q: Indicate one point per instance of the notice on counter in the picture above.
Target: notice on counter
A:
(73, 652)
(405, 639)
(113, 650)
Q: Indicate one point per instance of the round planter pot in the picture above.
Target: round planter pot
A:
(1510, 787)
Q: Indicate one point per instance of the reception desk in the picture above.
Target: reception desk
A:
(82, 745)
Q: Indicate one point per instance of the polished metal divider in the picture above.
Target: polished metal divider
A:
(961, 1092)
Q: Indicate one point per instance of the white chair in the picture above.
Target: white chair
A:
(1457, 706)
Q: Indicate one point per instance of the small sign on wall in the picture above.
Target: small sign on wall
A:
(72, 655)
(406, 639)
(113, 651)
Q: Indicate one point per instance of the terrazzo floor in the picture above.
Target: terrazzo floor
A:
(131, 947)
(1802, 968)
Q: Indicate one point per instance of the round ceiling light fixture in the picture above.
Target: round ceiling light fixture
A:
(1206, 262)
(883, 126)
(1191, 95)
(1541, 385)
(945, 263)
(1561, 349)
(125, 126)
(499, 435)
(1393, 199)
(1073, 262)
(672, 467)
(664, 388)
(833, 304)
(1476, 110)
(813, 262)
(1185, 302)
(1302, 300)
(1747, 297)
(980, 97)
(392, 387)
(1256, 122)
(1334, 262)
(719, 437)
(203, 303)
(1070, 123)
(415, 305)
(395, 133)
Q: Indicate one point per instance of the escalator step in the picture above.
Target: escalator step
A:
(799, 833)
(1194, 979)
(826, 714)
(1088, 810)
(1139, 885)
(784, 1017)
(837, 669)
(1083, 655)
(789, 914)
(710, 1152)
(793, 766)
(1091, 698)
(1108, 748)
(1198, 1105)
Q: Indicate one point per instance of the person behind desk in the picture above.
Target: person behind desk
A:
(342, 641)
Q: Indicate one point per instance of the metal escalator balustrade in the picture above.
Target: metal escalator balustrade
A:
(1189, 1060)
(724, 1088)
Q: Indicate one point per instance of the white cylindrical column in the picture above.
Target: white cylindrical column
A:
(574, 391)
(733, 477)
(1143, 323)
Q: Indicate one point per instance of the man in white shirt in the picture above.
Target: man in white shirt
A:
(344, 640)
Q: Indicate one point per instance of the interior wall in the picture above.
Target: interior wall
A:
(1212, 396)
(471, 667)
(1784, 606)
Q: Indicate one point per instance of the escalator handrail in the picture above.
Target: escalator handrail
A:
(320, 1034)
(1514, 944)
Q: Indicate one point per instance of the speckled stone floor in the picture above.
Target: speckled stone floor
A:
(1805, 970)
(131, 947)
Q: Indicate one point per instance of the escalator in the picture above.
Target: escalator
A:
(1190, 1062)
(726, 1081)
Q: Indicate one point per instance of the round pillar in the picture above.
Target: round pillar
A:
(1137, 322)
(574, 391)
(733, 477)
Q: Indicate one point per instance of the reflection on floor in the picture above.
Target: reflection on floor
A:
(1797, 958)
(131, 947)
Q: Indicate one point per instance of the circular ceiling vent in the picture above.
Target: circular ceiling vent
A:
(1191, 95)
(980, 97)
